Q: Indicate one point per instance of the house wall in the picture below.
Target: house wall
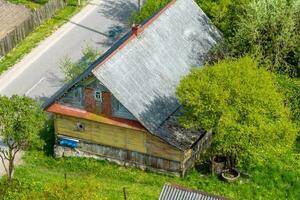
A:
(194, 154)
(118, 137)
(83, 97)
(121, 157)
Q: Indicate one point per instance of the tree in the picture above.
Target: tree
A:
(21, 119)
(149, 8)
(241, 104)
(72, 70)
(224, 13)
(269, 30)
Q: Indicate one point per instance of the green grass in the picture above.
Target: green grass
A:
(29, 3)
(42, 177)
(40, 33)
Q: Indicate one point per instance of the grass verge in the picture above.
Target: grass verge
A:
(39, 34)
(30, 4)
(43, 177)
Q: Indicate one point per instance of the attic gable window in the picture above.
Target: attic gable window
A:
(98, 96)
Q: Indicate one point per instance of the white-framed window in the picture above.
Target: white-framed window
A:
(98, 96)
(80, 126)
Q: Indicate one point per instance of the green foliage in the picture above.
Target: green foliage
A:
(148, 9)
(269, 30)
(72, 70)
(48, 136)
(42, 177)
(291, 89)
(224, 13)
(32, 4)
(21, 120)
(242, 106)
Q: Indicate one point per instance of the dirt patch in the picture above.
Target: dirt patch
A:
(18, 161)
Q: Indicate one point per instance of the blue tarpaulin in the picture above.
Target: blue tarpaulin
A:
(68, 142)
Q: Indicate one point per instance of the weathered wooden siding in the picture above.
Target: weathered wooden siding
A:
(194, 154)
(159, 148)
(82, 96)
(119, 137)
(121, 157)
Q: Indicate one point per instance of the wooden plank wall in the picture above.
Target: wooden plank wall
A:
(126, 157)
(119, 137)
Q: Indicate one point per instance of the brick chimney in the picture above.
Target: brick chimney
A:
(136, 29)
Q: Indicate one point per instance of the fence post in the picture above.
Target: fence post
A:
(124, 192)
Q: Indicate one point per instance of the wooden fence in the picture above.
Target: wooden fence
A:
(8, 42)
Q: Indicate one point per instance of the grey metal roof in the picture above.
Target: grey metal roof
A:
(176, 192)
(144, 74)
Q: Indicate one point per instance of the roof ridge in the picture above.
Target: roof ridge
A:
(117, 45)
(143, 26)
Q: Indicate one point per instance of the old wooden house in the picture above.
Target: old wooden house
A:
(123, 107)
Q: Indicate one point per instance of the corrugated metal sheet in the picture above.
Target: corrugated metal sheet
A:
(144, 74)
(176, 192)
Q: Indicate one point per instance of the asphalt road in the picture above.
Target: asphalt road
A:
(38, 74)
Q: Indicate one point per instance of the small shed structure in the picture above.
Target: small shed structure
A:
(124, 108)
(177, 192)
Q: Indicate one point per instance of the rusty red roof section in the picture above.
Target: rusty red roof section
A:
(82, 114)
(134, 35)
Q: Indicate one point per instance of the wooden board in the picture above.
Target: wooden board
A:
(158, 147)
(119, 137)
(102, 133)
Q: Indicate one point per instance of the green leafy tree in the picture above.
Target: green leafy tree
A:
(291, 89)
(73, 69)
(21, 119)
(241, 104)
(269, 30)
(224, 13)
(149, 8)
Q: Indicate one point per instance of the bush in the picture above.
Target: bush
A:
(224, 13)
(242, 106)
(73, 70)
(269, 30)
(291, 89)
(148, 9)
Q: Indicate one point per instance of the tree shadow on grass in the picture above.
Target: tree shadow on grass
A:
(48, 136)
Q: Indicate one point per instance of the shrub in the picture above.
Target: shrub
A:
(269, 30)
(148, 9)
(224, 13)
(243, 107)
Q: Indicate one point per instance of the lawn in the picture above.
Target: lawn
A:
(29, 3)
(43, 177)
(40, 33)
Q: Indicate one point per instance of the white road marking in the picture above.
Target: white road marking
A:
(34, 86)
